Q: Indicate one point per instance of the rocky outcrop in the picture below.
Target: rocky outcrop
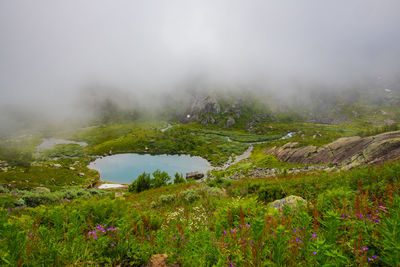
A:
(195, 175)
(207, 110)
(290, 201)
(229, 122)
(206, 105)
(347, 152)
(159, 260)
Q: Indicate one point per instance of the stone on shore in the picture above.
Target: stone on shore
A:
(195, 175)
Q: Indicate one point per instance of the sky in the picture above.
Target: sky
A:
(53, 53)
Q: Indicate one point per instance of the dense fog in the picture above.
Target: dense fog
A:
(58, 58)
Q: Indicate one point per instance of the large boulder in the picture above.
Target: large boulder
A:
(195, 175)
(291, 201)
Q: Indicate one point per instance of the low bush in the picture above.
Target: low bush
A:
(4, 189)
(33, 198)
(179, 179)
(166, 199)
(190, 195)
(142, 183)
(336, 198)
(145, 182)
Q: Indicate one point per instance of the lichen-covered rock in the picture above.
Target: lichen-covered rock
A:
(291, 201)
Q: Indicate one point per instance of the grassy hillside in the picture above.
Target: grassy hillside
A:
(350, 218)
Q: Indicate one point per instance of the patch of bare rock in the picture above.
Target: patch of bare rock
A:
(347, 153)
(159, 260)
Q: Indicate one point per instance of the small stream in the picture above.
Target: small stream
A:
(247, 153)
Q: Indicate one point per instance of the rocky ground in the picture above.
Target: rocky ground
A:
(346, 152)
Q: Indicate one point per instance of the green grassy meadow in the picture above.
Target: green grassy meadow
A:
(349, 217)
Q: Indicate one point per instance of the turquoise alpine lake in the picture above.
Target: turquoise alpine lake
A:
(124, 168)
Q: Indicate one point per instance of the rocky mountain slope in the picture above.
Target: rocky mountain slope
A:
(346, 152)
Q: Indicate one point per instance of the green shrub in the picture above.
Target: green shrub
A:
(20, 203)
(219, 181)
(34, 198)
(153, 204)
(336, 198)
(166, 199)
(179, 179)
(390, 231)
(145, 182)
(159, 179)
(190, 195)
(271, 192)
(214, 191)
(3, 189)
(142, 183)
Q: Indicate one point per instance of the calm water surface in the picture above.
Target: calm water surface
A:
(124, 168)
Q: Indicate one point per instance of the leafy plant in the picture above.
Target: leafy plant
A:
(179, 178)
(390, 231)
(142, 183)
(160, 179)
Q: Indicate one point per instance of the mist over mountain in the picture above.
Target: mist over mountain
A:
(70, 59)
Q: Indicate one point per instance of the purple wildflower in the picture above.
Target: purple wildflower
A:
(314, 235)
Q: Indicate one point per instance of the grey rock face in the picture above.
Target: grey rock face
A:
(229, 122)
(208, 119)
(195, 175)
(206, 105)
(348, 152)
